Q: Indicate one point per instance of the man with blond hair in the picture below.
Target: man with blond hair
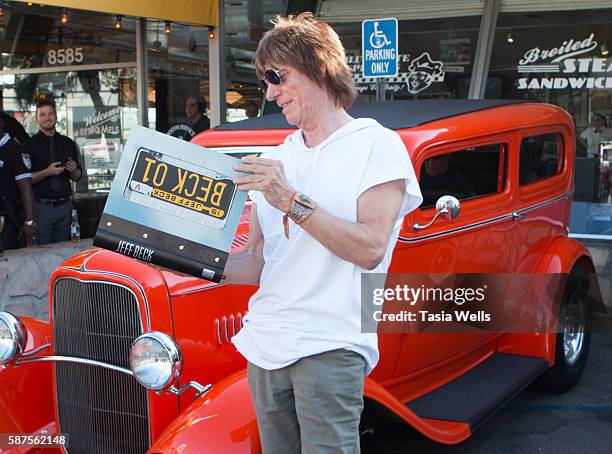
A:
(327, 206)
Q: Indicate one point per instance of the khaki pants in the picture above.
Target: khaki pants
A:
(311, 406)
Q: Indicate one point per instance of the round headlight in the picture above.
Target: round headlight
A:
(13, 337)
(155, 360)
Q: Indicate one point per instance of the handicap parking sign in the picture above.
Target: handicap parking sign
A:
(379, 47)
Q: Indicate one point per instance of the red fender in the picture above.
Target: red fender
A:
(26, 393)
(223, 420)
(564, 256)
(561, 256)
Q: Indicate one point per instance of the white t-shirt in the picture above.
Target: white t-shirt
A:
(593, 139)
(309, 299)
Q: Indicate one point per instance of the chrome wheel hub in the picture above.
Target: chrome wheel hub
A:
(573, 331)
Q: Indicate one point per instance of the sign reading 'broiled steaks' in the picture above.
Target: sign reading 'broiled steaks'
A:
(566, 66)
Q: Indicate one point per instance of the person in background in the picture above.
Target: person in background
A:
(592, 137)
(195, 109)
(15, 189)
(55, 163)
(197, 121)
(252, 110)
(14, 128)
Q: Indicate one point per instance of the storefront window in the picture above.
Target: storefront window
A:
(244, 98)
(178, 69)
(35, 37)
(245, 24)
(86, 65)
(562, 58)
(435, 58)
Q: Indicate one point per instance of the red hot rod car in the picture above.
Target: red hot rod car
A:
(187, 390)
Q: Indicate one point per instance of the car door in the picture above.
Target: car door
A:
(543, 209)
(543, 188)
(479, 240)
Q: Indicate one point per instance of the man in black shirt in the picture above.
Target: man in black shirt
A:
(55, 162)
(15, 184)
(197, 121)
(196, 113)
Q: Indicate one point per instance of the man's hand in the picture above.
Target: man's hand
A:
(268, 177)
(71, 165)
(73, 169)
(30, 234)
(55, 169)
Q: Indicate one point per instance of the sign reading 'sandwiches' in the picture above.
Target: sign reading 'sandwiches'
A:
(173, 204)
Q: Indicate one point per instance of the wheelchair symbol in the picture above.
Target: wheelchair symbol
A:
(378, 39)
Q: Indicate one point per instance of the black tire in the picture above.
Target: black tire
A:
(575, 316)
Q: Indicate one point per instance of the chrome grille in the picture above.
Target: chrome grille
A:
(101, 410)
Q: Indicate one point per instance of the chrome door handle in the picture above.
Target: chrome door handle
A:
(517, 216)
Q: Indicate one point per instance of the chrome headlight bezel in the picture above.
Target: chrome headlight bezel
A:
(19, 335)
(168, 352)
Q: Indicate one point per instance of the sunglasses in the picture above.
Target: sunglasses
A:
(272, 76)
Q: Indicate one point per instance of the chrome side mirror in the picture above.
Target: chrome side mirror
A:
(447, 206)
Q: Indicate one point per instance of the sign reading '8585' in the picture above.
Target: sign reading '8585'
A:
(179, 188)
(66, 56)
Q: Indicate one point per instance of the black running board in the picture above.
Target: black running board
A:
(480, 392)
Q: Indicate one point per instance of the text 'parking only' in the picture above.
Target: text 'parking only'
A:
(379, 47)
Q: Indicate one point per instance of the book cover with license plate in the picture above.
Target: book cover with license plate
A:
(174, 204)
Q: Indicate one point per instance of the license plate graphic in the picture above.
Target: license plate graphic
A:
(179, 188)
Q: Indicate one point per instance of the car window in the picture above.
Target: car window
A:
(465, 174)
(541, 157)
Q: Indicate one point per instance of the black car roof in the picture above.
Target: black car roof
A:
(391, 114)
